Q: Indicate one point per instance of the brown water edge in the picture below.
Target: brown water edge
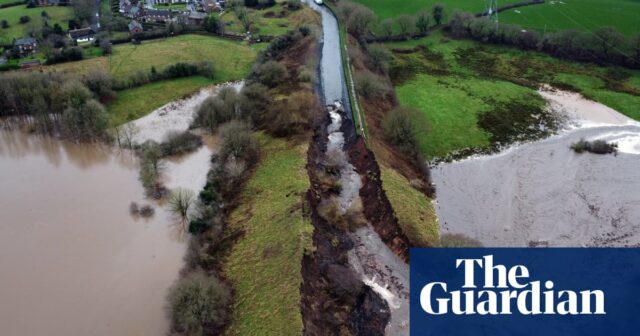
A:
(72, 259)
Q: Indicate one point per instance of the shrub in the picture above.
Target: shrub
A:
(24, 19)
(100, 83)
(237, 142)
(199, 304)
(400, 131)
(180, 143)
(86, 121)
(458, 240)
(595, 147)
(290, 115)
(369, 85)
(271, 73)
(294, 4)
(379, 57)
(254, 100)
(4, 24)
(212, 113)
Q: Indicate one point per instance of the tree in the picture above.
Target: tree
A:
(360, 20)
(84, 10)
(459, 23)
(86, 122)
(214, 24)
(24, 19)
(635, 45)
(237, 142)
(400, 131)
(4, 24)
(607, 38)
(406, 24)
(198, 305)
(422, 22)
(369, 85)
(272, 73)
(152, 157)
(253, 102)
(387, 27)
(437, 11)
(180, 202)
(57, 29)
(44, 14)
(379, 57)
(31, 4)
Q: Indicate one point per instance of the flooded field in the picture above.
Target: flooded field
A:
(543, 193)
(73, 261)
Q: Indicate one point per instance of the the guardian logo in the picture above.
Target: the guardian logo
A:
(494, 289)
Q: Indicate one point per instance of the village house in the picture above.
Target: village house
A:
(25, 46)
(135, 27)
(196, 18)
(157, 15)
(211, 6)
(82, 35)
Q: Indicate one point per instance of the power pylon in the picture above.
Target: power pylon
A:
(492, 11)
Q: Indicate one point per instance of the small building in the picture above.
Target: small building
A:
(135, 27)
(157, 15)
(30, 64)
(25, 46)
(3, 60)
(211, 6)
(131, 11)
(196, 18)
(82, 35)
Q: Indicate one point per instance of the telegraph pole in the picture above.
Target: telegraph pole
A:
(492, 12)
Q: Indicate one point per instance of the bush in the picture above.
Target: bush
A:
(290, 115)
(180, 143)
(271, 73)
(100, 83)
(4, 24)
(24, 19)
(369, 85)
(294, 4)
(379, 57)
(199, 304)
(237, 142)
(458, 240)
(400, 131)
(595, 147)
(213, 112)
(254, 100)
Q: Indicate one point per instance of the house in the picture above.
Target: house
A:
(25, 46)
(82, 35)
(48, 2)
(3, 60)
(157, 15)
(196, 18)
(211, 6)
(135, 27)
(131, 11)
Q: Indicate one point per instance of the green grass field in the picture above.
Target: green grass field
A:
(2, 2)
(585, 15)
(272, 21)
(456, 82)
(264, 264)
(415, 212)
(138, 102)
(232, 60)
(57, 14)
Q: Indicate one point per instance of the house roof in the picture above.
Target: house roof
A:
(157, 12)
(26, 40)
(134, 24)
(82, 32)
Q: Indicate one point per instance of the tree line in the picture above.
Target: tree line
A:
(604, 45)
(54, 103)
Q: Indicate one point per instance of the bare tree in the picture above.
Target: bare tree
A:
(406, 24)
(387, 27)
(180, 202)
(422, 22)
(437, 11)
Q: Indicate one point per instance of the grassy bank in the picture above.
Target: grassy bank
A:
(232, 60)
(415, 212)
(454, 84)
(264, 265)
(57, 14)
(137, 102)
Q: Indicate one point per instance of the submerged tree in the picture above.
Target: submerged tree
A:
(180, 202)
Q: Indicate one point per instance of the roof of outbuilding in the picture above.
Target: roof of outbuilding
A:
(25, 40)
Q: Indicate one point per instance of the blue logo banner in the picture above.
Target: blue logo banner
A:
(523, 291)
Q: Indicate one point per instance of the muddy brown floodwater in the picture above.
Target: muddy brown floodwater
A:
(73, 261)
